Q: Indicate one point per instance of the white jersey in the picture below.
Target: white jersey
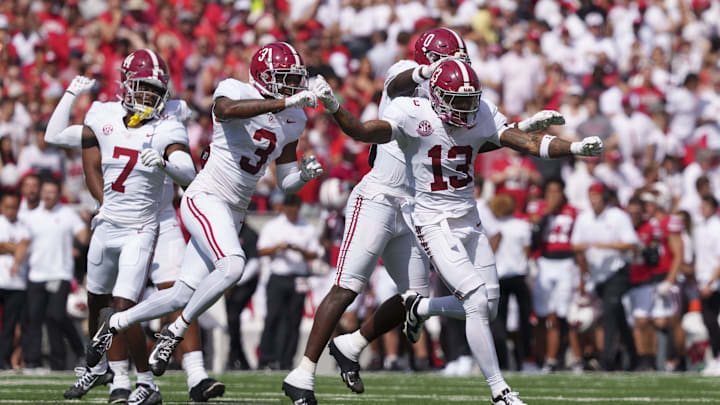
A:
(242, 149)
(131, 190)
(442, 157)
(388, 173)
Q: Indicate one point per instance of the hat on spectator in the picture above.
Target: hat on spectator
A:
(594, 19)
(596, 187)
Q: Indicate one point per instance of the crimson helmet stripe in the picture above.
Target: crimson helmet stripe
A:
(463, 70)
(461, 44)
(295, 54)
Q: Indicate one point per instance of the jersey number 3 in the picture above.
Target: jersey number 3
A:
(133, 155)
(439, 183)
(262, 153)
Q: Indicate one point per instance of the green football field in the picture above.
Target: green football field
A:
(397, 388)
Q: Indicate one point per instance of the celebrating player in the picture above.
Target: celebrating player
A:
(439, 139)
(254, 124)
(374, 229)
(170, 242)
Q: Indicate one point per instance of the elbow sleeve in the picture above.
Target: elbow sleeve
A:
(180, 167)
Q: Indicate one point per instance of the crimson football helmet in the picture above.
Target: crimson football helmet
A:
(144, 83)
(455, 93)
(277, 70)
(439, 42)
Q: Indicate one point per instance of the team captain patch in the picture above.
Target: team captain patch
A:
(424, 128)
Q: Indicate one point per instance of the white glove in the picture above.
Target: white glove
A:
(590, 146)
(664, 289)
(427, 70)
(303, 99)
(541, 120)
(325, 93)
(80, 85)
(152, 158)
(310, 168)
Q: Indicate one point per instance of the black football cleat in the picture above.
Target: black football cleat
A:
(119, 396)
(207, 389)
(87, 381)
(162, 351)
(102, 340)
(299, 396)
(349, 370)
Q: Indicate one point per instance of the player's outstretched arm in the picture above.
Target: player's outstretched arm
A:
(548, 146)
(290, 178)
(226, 109)
(375, 131)
(58, 132)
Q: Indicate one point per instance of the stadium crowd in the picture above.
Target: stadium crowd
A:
(644, 76)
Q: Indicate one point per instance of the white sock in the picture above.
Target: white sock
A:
(351, 344)
(122, 377)
(194, 368)
(448, 306)
(159, 303)
(145, 377)
(228, 271)
(303, 376)
(179, 327)
(101, 367)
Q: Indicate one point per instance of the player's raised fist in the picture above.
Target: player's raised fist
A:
(151, 158)
(80, 85)
(303, 99)
(310, 168)
(541, 120)
(325, 93)
(590, 146)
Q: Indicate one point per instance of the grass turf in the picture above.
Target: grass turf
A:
(402, 389)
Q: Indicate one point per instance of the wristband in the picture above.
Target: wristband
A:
(545, 146)
(416, 76)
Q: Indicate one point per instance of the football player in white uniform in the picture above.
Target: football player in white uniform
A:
(440, 138)
(375, 229)
(254, 124)
(125, 147)
(170, 243)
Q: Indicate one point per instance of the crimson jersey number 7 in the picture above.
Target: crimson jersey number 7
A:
(439, 183)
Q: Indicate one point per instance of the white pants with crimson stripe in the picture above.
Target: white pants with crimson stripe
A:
(214, 229)
(374, 229)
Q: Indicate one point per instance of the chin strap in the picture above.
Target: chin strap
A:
(135, 119)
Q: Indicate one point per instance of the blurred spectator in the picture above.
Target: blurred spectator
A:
(602, 238)
(30, 192)
(514, 174)
(511, 258)
(52, 229)
(41, 156)
(239, 296)
(14, 242)
(707, 273)
(291, 244)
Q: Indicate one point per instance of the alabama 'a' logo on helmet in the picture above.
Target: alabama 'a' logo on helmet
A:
(424, 128)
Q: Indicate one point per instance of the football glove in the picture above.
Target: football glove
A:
(310, 168)
(541, 120)
(325, 93)
(303, 99)
(152, 158)
(426, 71)
(80, 85)
(590, 146)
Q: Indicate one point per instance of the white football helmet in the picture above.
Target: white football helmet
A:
(334, 193)
(581, 314)
(77, 305)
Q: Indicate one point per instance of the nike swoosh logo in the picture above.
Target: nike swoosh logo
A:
(290, 122)
(478, 224)
(98, 331)
(149, 135)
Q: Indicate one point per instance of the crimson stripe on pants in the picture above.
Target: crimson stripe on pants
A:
(209, 236)
(351, 233)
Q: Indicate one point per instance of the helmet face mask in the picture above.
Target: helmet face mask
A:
(287, 82)
(144, 84)
(141, 94)
(434, 56)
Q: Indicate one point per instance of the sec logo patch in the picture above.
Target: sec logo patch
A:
(424, 128)
(107, 129)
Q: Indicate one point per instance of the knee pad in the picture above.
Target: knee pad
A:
(232, 267)
(475, 303)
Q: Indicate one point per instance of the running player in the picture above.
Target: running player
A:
(439, 139)
(254, 124)
(170, 245)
